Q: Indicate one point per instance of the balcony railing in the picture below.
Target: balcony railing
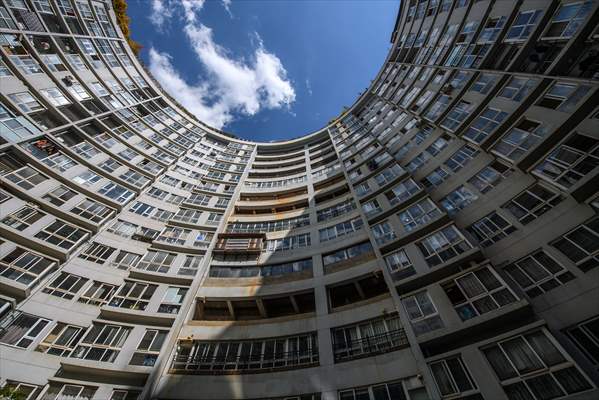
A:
(244, 363)
(370, 345)
(239, 243)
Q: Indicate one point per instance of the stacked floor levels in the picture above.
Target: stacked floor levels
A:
(439, 239)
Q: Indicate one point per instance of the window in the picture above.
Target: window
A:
(443, 245)
(87, 178)
(477, 293)
(419, 214)
(451, 376)
(61, 340)
(27, 64)
(174, 235)
(369, 337)
(347, 253)
(26, 177)
(190, 265)
(484, 83)
(491, 229)
(458, 200)
(93, 211)
(523, 25)
(288, 243)
(538, 273)
(149, 348)
(26, 102)
(436, 177)
(118, 394)
(461, 157)
(97, 294)
(269, 226)
(581, 245)
(371, 208)
(133, 295)
(586, 336)
(490, 176)
(399, 265)
(422, 313)
(55, 97)
(383, 233)
(173, 298)
(532, 203)
(402, 191)
(457, 115)
(362, 189)
(518, 87)
(58, 391)
(571, 161)
(520, 139)
(125, 260)
(340, 229)
(22, 218)
(531, 366)
(102, 342)
(157, 261)
(29, 391)
(388, 175)
(336, 210)
(484, 124)
(97, 253)
(247, 355)
(63, 235)
(60, 195)
(188, 215)
(25, 267)
(385, 391)
(567, 20)
(22, 329)
(563, 96)
(65, 285)
(117, 193)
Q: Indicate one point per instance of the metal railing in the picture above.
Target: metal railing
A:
(370, 345)
(201, 364)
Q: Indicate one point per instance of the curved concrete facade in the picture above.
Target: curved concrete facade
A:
(439, 239)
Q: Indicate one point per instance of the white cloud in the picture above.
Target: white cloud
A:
(194, 98)
(309, 86)
(231, 86)
(161, 12)
(227, 6)
(191, 8)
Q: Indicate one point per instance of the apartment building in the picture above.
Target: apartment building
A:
(437, 240)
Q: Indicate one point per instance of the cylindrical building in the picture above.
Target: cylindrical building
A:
(437, 240)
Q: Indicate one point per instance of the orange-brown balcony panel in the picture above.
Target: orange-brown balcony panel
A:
(240, 242)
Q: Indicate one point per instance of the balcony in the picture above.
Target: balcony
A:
(370, 345)
(235, 243)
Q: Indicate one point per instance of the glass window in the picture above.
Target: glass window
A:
(520, 139)
(567, 20)
(531, 366)
(451, 376)
(491, 229)
(61, 340)
(532, 203)
(538, 273)
(22, 330)
(443, 245)
(422, 313)
(478, 292)
(102, 342)
(571, 161)
(581, 245)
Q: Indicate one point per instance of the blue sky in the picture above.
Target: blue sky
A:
(264, 70)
